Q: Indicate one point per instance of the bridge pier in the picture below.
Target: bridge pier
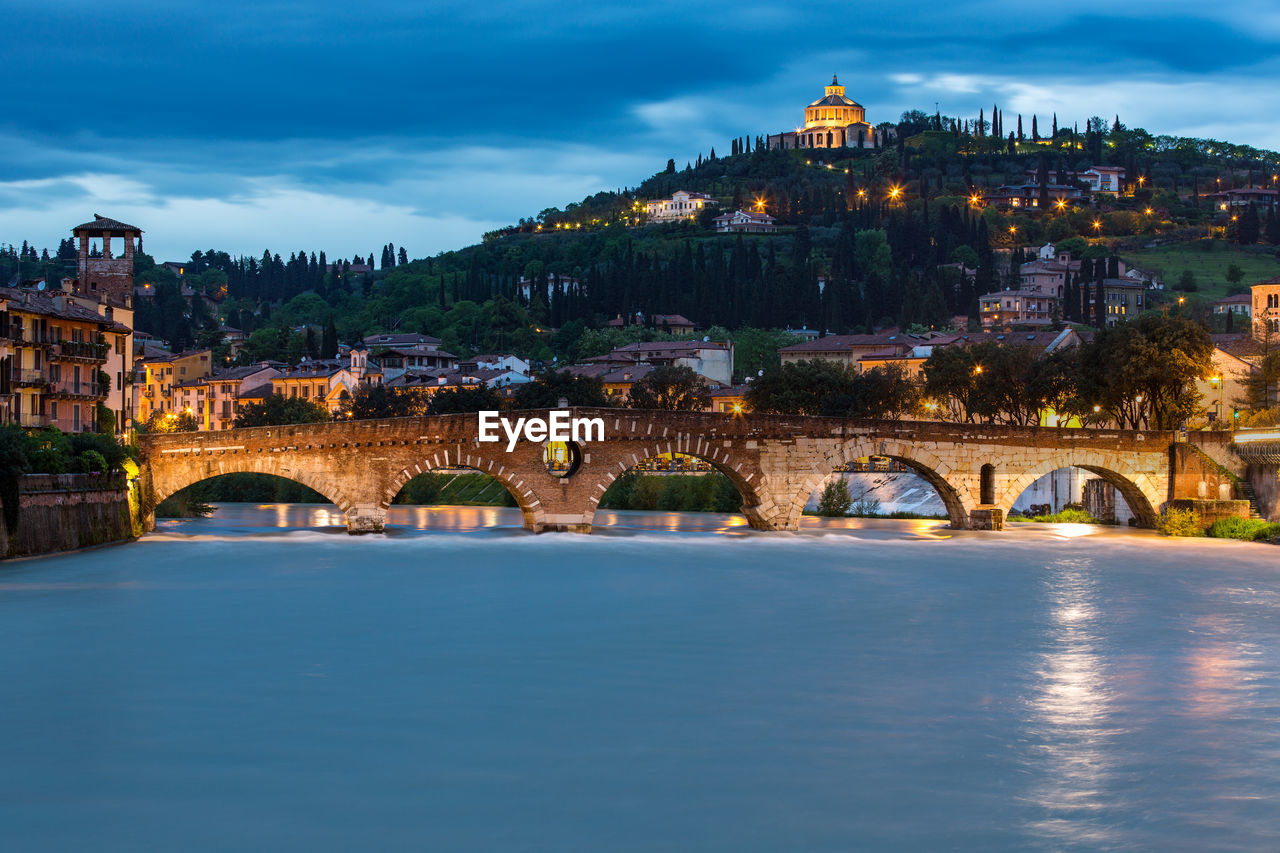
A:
(365, 518)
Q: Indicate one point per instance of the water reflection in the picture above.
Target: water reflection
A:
(1070, 711)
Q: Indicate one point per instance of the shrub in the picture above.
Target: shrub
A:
(1174, 521)
(1247, 529)
(1067, 515)
(835, 499)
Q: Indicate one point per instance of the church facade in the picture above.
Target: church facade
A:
(832, 121)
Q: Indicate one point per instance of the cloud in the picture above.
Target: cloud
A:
(346, 126)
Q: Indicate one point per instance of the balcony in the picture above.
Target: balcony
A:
(32, 421)
(28, 378)
(81, 351)
(80, 390)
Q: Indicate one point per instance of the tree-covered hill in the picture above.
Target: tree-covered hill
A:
(866, 238)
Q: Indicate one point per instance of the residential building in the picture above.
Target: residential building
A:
(222, 391)
(850, 349)
(157, 373)
(1243, 197)
(681, 205)
(1024, 307)
(118, 310)
(1103, 179)
(727, 399)
(1221, 390)
(495, 361)
(616, 379)
(1027, 196)
(57, 353)
(1124, 299)
(398, 353)
(710, 359)
(1237, 303)
(745, 222)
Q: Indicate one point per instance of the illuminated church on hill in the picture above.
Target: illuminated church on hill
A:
(832, 121)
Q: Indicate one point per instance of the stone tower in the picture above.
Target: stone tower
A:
(106, 275)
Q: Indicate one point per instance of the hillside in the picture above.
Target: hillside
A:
(865, 239)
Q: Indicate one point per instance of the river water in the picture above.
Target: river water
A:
(261, 681)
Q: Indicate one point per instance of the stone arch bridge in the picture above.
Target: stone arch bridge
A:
(775, 461)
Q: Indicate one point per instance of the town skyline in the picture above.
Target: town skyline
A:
(282, 147)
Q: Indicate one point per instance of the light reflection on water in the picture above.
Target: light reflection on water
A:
(676, 682)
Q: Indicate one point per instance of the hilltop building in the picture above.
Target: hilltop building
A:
(832, 121)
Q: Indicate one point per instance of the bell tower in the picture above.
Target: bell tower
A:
(106, 275)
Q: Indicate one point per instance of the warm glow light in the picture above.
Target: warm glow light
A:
(1062, 203)
(894, 192)
(978, 369)
(1097, 409)
(1148, 211)
(1097, 223)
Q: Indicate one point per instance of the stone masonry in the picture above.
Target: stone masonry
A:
(775, 461)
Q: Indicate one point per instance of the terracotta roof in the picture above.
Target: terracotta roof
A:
(1235, 298)
(102, 223)
(1240, 345)
(843, 343)
(37, 302)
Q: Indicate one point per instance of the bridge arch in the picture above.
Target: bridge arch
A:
(922, 461)
(514, 477)
(172, 476)
(1143, 495)
(608, 464)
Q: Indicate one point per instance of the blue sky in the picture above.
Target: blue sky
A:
(344, 126)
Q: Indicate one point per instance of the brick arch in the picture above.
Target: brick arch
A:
(499, 466)
(172, 476)
(1140, 492)
(920, 460)
(606, 467)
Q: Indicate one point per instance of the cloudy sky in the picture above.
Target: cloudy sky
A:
(344, 126)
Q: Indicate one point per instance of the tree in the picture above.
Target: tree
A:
(835, 499)
(1187, 282)
(329, 341)
(279, 409)
(477, 398)
(671, 387)
(550, 388)
(813, 387)
(1142, 374)
(1234, 273)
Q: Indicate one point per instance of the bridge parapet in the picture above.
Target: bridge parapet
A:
(775, 461)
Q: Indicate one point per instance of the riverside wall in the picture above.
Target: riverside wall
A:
(63, 512)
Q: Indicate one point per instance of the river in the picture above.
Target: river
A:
(259, 680)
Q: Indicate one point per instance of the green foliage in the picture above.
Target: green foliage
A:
(14, 462)
(712, 492)
(1175, 521)
(835, 499)
(674, 388)
(278, 409)
(448, 489)
(547, 390)
(183, 505)
(379, 401)
(817, 387)
(1067, 515)
(480, 398)
(1247, 529)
